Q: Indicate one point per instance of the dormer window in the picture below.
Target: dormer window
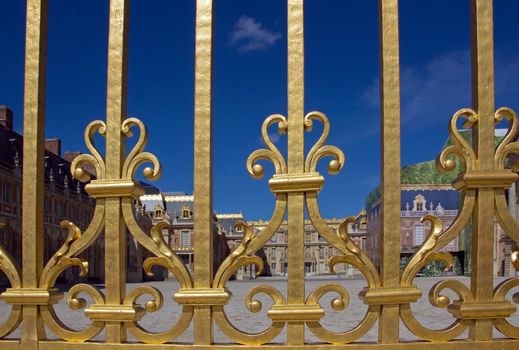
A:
(186, 212)
(419, 203)
(158, 212)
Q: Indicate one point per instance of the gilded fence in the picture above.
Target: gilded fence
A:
(486, 173)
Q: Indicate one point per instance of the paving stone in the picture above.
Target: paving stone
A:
(243, 319)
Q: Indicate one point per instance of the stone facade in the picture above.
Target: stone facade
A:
(417, 201)
(228, 224)
(177, 209)
(317, 250)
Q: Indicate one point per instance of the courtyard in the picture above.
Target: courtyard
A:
(242, 318)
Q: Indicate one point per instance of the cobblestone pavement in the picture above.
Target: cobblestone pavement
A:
(336, 321)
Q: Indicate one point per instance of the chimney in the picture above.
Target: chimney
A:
(53, 146)
(6, 117)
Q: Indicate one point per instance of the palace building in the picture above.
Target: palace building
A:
(177, 209)
(65, 198)
(317, 250)
(425, 191)
(418, 200)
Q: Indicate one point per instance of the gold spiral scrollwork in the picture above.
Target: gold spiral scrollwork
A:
(75, 303)
(63, 258)
(341, 240)
(76, 243)
(137, 156)
(508, 223)
(320, 150)
(238, 258)
(94, 159)
(153, 305)
(13, 273)
(460, 148)
(352, 255)
(506, 148)
(244, 254)
(163, 255)
(427, 252)
(500, 292)
(270, 153)
(438, 238)
(442, 301)
(254, 306)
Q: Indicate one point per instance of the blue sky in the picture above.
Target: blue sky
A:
(250, 83)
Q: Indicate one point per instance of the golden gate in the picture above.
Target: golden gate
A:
(389, 294)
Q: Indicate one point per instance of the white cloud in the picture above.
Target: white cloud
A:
(432, 92)
(249, 35)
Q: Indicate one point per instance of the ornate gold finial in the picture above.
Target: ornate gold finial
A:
(460, 148)
(319, 150)
(271, 153)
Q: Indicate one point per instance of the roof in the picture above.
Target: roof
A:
(176, 202)
(425, 175)
(448, 198)
(57, 169)
(150, 201)
(228, 221)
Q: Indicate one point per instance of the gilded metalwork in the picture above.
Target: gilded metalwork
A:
(13, 273)
(485, 172)
(251, 243)
(470, 181)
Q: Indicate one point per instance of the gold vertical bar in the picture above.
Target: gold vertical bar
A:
(296, 218)
(33, 182)
(482, 45)
(203, 176)
(390, 172)
(115, 231)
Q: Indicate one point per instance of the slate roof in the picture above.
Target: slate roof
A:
(175, 202)
(57, 169)
(227, 222)
(449, 198)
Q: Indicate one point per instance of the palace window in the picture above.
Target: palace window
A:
(419, 203)
(418, 234)
(158, 212)
(185, 239)
(59, 208)
(7, 192)
(47, 204)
